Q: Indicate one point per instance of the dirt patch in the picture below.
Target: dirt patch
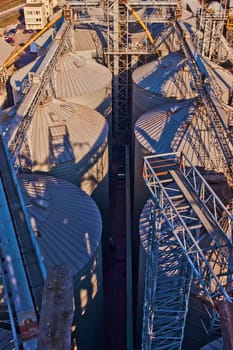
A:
(8, 4)
(12, 19)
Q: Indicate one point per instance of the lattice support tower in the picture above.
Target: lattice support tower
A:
(122, 57)
(167, 286)
(199, 224)
(210, 28)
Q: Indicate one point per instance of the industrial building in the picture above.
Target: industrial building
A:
(36, 13)
(116, 177)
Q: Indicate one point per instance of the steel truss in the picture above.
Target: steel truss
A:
(167, 286)
(212, 110)
(210, 27)
(200, 225)
(122, 56)
(38, 85)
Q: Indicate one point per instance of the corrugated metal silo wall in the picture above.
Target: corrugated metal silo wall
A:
(87, 264)
(88, 298)
(93, 179)
(144, 101)
(100, 100)
(101, 197)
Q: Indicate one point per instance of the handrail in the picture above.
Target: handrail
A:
(184, 236)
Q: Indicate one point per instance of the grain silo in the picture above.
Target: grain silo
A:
(83, 81)
(160, 81)
(67, 224)
(68, 141)
(159, 130)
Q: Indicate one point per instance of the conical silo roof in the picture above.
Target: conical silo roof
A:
(162, 129)
(67, 140)
(81, 80)
(66, 221)
(80, 128)
(168, 76)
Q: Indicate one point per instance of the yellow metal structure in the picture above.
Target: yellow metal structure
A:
(143, 25)
(230, 21)
(13, 57)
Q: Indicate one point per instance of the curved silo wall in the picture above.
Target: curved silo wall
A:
(70, 141)
(160, 130)
(83, 81)
(172, 127)
(158, 82)
(68, 225)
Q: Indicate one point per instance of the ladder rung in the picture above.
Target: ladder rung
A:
(182, 208)
(162, 173)
(166, 181)
(178, 196)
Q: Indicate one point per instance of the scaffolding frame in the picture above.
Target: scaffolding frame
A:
(167, 287)
(122, 57)
(208, 255)
(210, 28)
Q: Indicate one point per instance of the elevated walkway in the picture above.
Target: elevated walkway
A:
(199, 224)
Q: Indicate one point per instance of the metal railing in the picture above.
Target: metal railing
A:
(196, 253)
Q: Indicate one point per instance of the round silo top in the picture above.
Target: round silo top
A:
(62, 132)
(168, 76)
(160, 130)
(66, 221)
(76, 76)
